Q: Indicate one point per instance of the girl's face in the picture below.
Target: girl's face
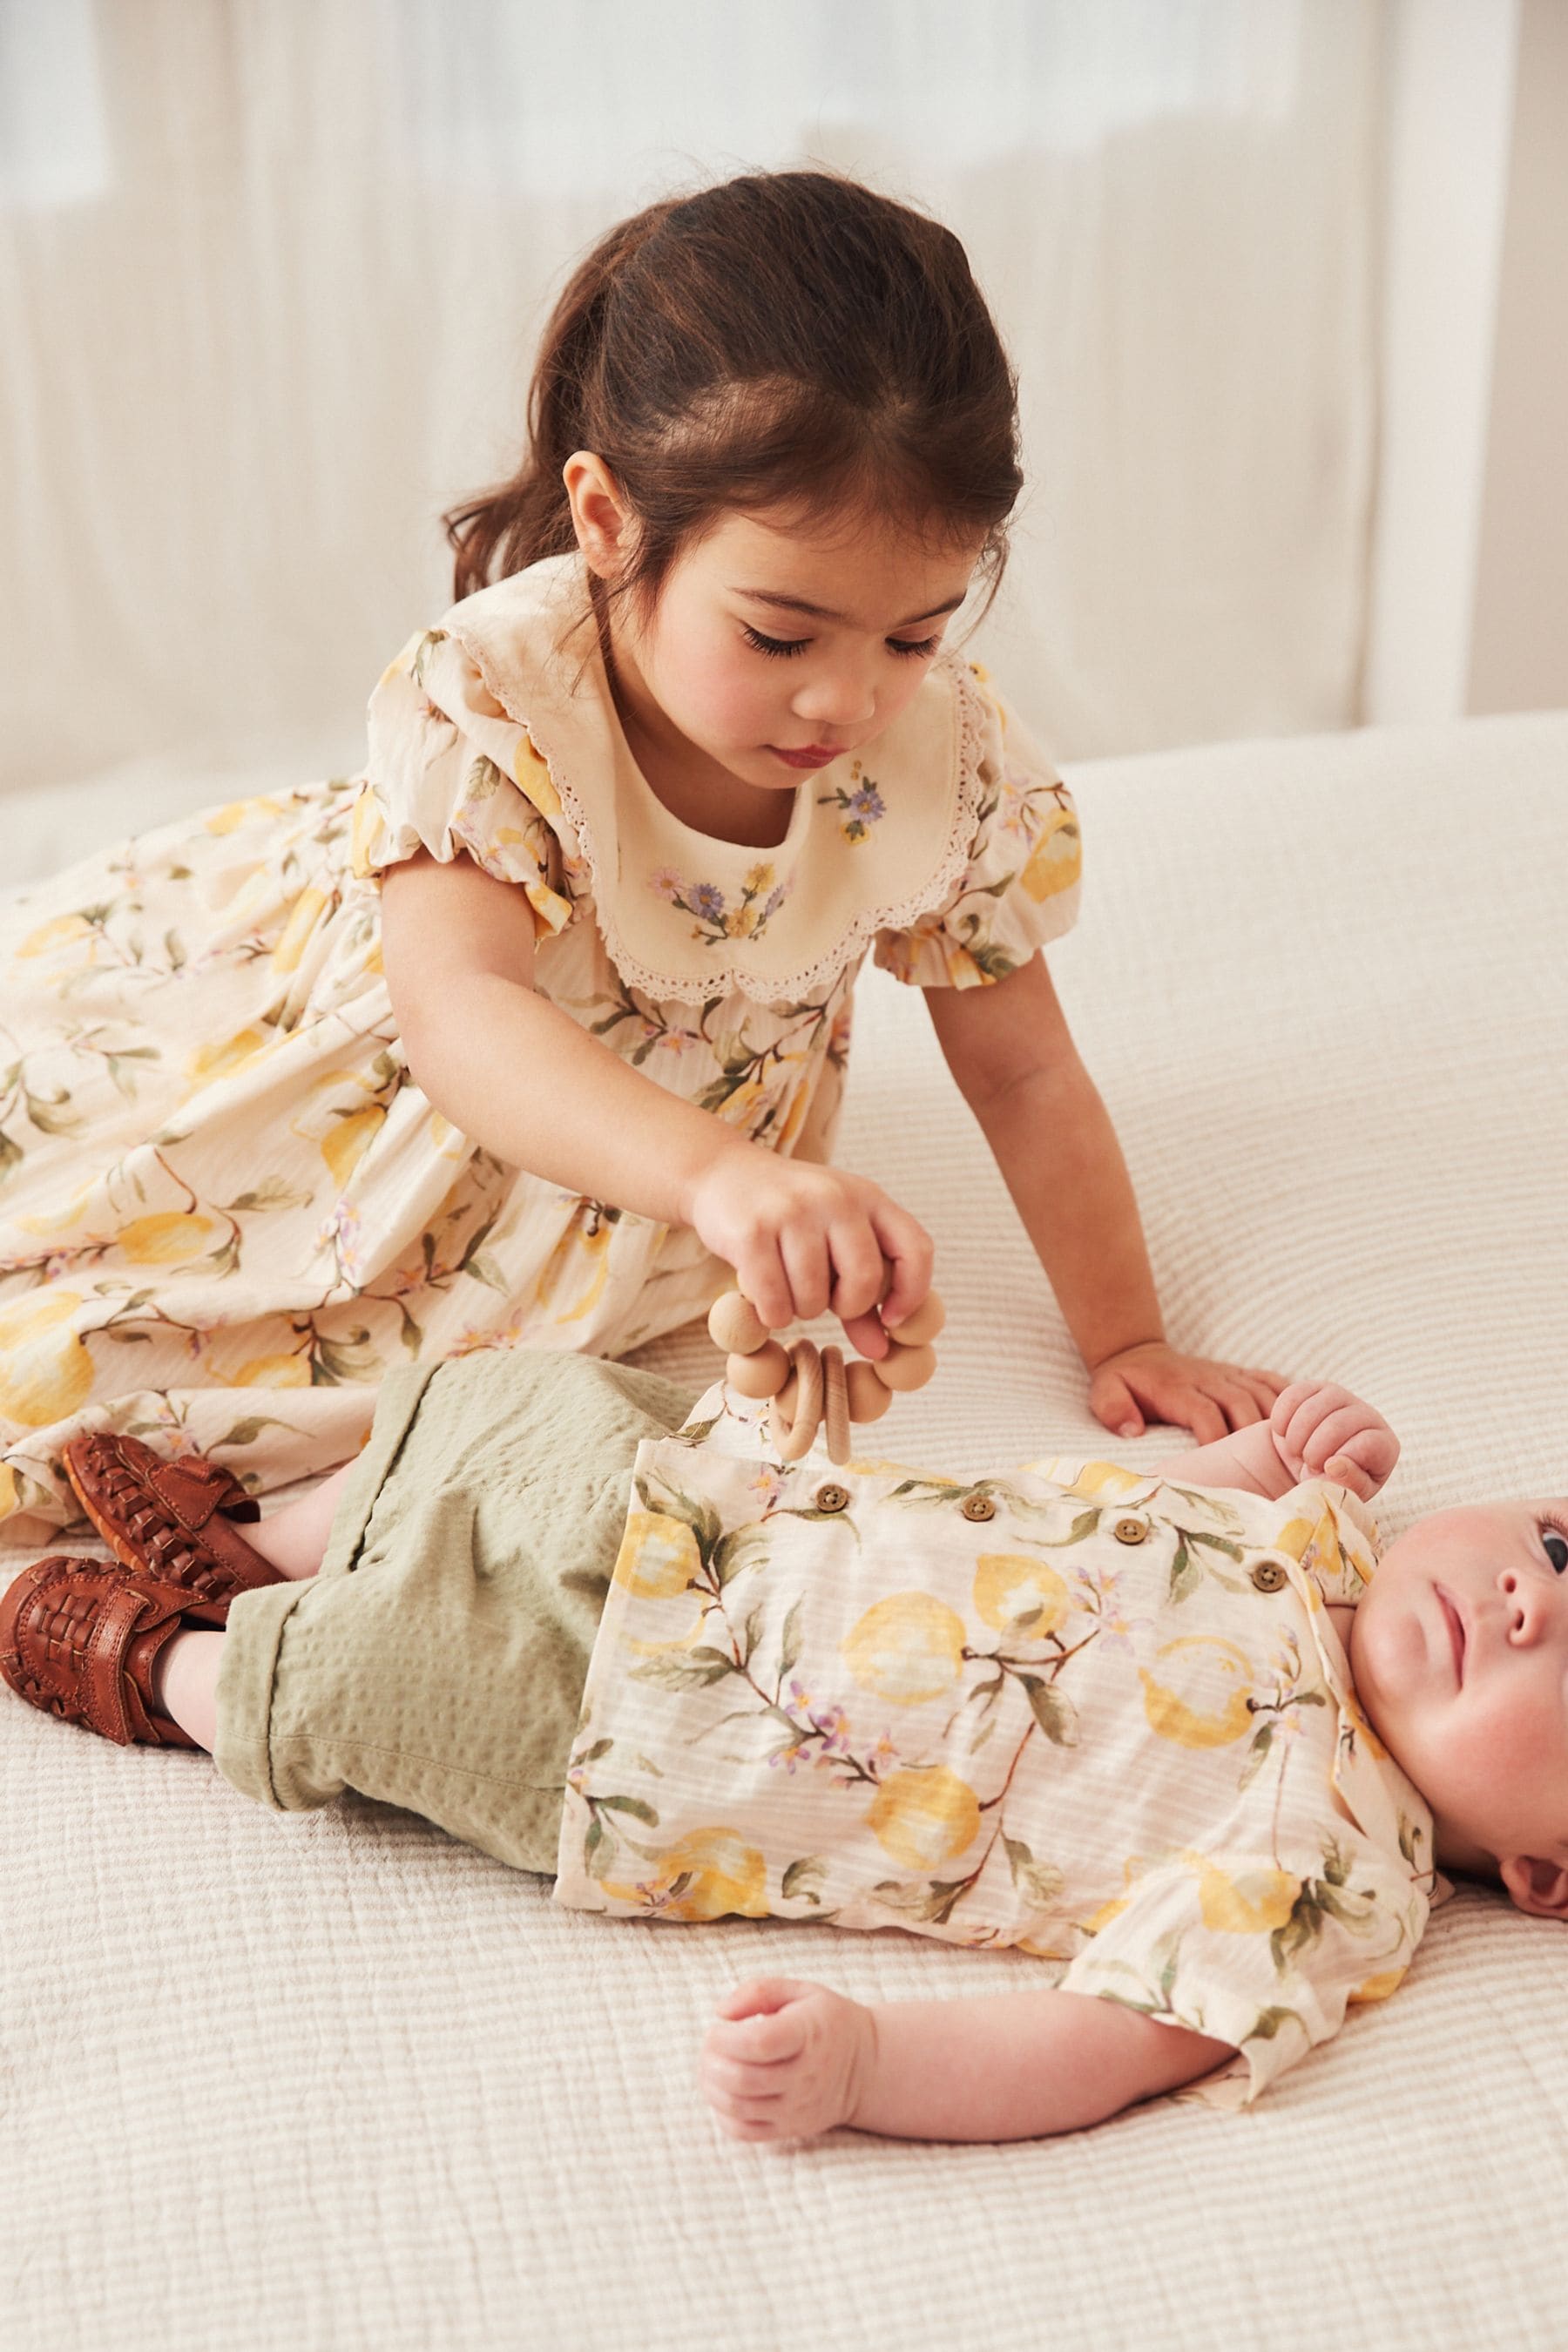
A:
(776, 647)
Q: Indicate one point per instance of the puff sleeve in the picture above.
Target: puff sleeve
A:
(1019, 886)
(449, 772)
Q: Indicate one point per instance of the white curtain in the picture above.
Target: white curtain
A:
(270, 273)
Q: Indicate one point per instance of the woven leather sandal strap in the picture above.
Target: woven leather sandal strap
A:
(192, 1488)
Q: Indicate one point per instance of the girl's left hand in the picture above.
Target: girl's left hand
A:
(1155, 1383)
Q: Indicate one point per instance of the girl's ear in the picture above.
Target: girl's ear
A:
(600, 516)
(1538, 1886)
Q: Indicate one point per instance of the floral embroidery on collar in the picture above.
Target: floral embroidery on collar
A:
(861, 803)
(715, 919)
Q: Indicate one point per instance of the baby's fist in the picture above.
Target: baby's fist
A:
(1321, 1430)
(784, 2060)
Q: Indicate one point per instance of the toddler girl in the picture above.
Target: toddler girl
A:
(539, 1028)
(1169, 1734)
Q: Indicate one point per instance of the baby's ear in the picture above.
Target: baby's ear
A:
(1537, 1886)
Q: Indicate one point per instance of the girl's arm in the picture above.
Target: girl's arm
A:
(524, 1080)
(1012, 1055)
(785, 2059)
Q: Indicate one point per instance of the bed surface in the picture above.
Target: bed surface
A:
(333, 2081)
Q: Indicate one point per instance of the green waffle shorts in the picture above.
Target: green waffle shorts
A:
(436, 1660)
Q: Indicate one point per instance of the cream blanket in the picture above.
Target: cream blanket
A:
(333, 2081)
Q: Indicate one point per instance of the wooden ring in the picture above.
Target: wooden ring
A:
(795, 1426)
(836, 1404)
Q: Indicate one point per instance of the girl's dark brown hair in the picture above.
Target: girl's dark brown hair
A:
(786, 338)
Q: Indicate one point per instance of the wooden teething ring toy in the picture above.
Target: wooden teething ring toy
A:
(809, 1385)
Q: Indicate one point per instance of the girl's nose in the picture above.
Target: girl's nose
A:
(843, 699)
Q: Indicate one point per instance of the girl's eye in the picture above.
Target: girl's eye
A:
(1554, 1544)
(782, 646)
(919, 649)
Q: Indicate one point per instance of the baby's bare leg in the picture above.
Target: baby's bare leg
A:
(184, 1682)
(295, 1541)
(295, 1538)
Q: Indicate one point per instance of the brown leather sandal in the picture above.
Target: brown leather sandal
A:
(170, 1520)
(81, 1638)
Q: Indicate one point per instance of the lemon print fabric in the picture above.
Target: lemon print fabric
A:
(1013, 1727)
(227, 1208)
(907, 1648)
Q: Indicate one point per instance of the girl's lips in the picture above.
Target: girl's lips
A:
(816, 756)
(1456, 1625)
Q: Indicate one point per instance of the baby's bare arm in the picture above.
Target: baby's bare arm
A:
(787, 2060)
(1315, 1430)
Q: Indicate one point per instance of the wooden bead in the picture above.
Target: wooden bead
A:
(902, 1368)
(869, 1400)
(929, 1320)
(793, 1435)
(761, 1374)
(836, 1404)
(734, 1325)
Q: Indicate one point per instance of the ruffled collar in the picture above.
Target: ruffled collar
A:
(874, 842)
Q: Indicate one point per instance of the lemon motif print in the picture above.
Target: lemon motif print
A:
(907, 1648)
(658, 1555)
(1211, 1663)
(925, 1817)
(710, 1873)
(166, 1238)
(45, 1371)
(1254, 1903)
(1012, 1589)
(1056, 862)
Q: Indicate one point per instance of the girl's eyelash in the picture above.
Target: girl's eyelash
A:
(782, 646)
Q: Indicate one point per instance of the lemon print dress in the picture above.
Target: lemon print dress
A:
(226, 1210)
(1100, 1717)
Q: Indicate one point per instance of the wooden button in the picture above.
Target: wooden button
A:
(832, 1498)
(1269, 1576)
(1129, 1530)
(978, 1506)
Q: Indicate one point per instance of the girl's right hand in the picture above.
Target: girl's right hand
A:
(806, 1240)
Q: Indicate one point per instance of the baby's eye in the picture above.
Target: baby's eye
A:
(920, 647)
(1554, 1544)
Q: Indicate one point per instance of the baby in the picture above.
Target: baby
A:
(1168, 1733)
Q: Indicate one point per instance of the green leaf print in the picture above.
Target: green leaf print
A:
(693, 1671)
(803, 1879)
(633, 1805)
(1054, 1711)
(1040, 1880)
(1186, 1573)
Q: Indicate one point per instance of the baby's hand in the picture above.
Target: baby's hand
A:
(1323, 1432)
(785, 2059)
(804, 1239)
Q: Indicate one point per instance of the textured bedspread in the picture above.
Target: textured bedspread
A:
(333, 2081)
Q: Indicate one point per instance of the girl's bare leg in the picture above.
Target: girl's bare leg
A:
(295, 1538)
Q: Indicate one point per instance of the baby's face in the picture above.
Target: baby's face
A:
(1459, 1652)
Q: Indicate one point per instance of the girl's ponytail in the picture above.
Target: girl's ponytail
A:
(529, 517)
